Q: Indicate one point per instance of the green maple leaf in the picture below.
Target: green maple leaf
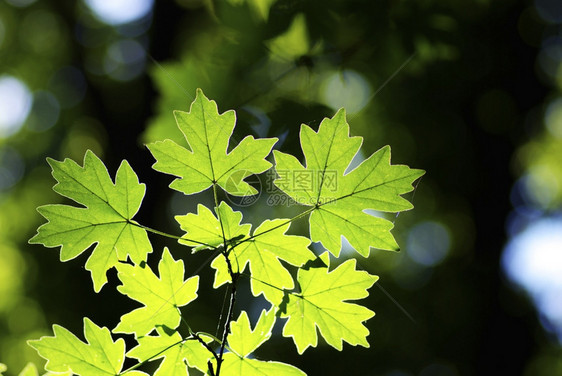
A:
(65, 353)
(161, 296)
(269, 245)
(322, 303)
(208, 134)
(106, 219)
(174, 350)
(338, 198)
(242, 340)
(211, 230)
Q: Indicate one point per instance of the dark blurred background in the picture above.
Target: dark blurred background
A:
(469, 91)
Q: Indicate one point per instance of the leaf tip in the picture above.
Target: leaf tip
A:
(89, 153)
(33, 239)
(200, 96)
(341, 113)
(418, 172)
(32, 343)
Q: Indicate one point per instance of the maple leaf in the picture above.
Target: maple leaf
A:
(161, 296)
(242, 340)
(338, 198)
(322, 303)
(105, 220)
(65, 353)
(174, 350)
(269, 244)
(211, 230)
(208, 134)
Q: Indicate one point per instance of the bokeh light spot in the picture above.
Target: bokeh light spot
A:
(117, 12)
(86, 133)
(15, 103)
(541, 185)
(69, 86)
(44, 112)
(553, 118)
(12, 268)
(533, 260)
(428, 243)
(346, 89)
(550, 56)
(12, 167)
(549, 10)
(42, 32)
(124, 60)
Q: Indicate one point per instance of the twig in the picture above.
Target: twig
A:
(229, 317)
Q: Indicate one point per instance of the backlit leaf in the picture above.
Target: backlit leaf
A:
(65, 352)
(208, 134)
(161, 296)
(208, 229)
(263, 253)
(174, 351)
(322, 303)
(106, 219)
(243, 341)
(340, 199)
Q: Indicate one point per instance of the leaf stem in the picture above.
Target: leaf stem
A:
(165, 234)
(298, 216)
(249, 276)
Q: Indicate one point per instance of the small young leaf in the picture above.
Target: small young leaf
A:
(161, 296)
(30, 369)
(66, 353)
(322, 303)
(243, 341)
(206, 228)
(340, 199)
(106, 220)
(263, 253)
(208, 134)
(174, 350)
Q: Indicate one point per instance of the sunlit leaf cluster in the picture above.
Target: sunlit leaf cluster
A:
(310, 297)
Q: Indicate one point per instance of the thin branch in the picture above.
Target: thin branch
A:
(227, 327)
(230, 314)
(198, 338)
(221, 312)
